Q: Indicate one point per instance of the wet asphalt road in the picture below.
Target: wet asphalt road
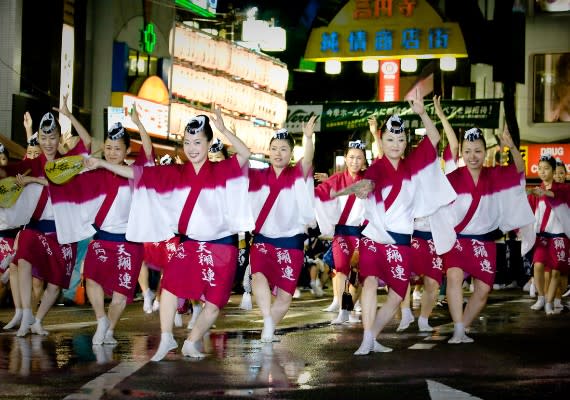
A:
(517, 354)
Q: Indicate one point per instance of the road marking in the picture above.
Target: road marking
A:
(95, 389)
(439, 391)
(434, 338)
(422, 346)
(288, 315)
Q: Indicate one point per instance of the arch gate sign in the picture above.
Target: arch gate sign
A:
(385, 29)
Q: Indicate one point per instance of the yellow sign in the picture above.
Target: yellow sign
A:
(393, 29)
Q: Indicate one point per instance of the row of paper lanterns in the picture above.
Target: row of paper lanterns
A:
(219, 54)
(206, 88)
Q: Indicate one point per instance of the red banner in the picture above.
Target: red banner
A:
(389, 80)
(532, 152)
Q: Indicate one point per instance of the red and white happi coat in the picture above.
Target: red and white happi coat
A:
(329, 210)
(21, 212)
(160, 194)
(416, 189)
(445, 234)
(32, 193)
(552, 214)
(499, 196)
(78, 202)
(294, 207)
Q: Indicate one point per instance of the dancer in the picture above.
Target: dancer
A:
(37, 242)
(398, 190)
(97, 203)
(490, 200)
(206, 204)
(342, 216)
(552, 247)
(426, 263)
(282, 199)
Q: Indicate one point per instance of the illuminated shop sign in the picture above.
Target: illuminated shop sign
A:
(461, 114)
(385, 40)
(385, 28)
(204, 8)
(154, 116)
(531, 154)
(148, 38)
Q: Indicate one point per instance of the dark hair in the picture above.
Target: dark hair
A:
(218, 147)
(198, 124)
(560, 163)
(393, 124)
(358, 143)
(549, 159)
(118, 132)
(282, 134)
(472, 135)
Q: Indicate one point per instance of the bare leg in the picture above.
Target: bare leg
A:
(540, 280)
(148, 295)
(554, 284)
(51, 293)
(15, 288)
(454, 293)
(406, 311)
(205, 320)
(262, 293)
(429, 296)
(25, 289)
(539, 283)
(476, 302)
(455, 301)
(386, 312)
(38, 288)
(280, 306)
(380, 319)
(168, 304)
(116, 308)
(96, 298)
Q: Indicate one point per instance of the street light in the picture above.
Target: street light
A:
(448, 63)
(333, 67)
(370, 66)
(409, 64)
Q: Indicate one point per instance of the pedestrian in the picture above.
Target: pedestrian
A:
(204, 203)
(491, 200)
(398, 190)
(282, 201)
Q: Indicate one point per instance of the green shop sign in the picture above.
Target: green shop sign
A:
(461, 114)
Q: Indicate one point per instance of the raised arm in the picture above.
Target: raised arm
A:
(126, 171)
(241, 149)
(81, 131)
(145, 138)
(28, 125)
(308, 132)
(373, 126)
(361, 189)
(417, 105)
(449, 132)
(507, 140)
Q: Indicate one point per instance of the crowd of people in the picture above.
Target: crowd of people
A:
(212, 223)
